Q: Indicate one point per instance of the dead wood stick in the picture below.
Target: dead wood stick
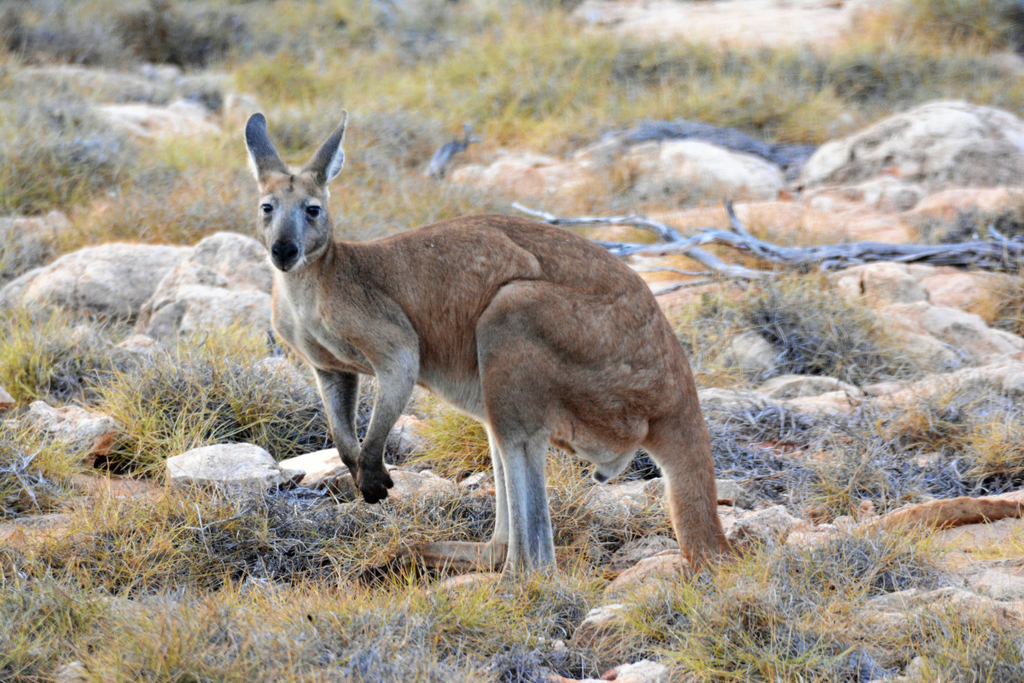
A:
(998, 253)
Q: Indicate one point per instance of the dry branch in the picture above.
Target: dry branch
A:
(998, 253)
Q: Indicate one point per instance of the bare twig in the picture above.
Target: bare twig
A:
(998, 254)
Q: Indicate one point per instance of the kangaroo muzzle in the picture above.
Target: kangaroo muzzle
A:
(284, 253)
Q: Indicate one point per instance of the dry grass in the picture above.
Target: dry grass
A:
(56, 356)
(35, 473)
(812, 329)
(207, 390)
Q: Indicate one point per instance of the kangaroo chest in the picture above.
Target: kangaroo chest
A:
(300, 321)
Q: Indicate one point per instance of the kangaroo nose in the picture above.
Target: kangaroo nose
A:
(284, 253)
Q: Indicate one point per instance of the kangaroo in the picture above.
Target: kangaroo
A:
(538, 333)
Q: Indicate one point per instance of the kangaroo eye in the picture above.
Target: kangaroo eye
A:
(266, 208)
(312, 211)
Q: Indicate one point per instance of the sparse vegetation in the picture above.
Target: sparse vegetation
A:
(209, 391)
(295, 585)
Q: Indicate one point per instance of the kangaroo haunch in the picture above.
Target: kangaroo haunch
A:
(539, 334)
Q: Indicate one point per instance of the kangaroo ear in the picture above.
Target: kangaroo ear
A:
(263, 158)
(329, 159)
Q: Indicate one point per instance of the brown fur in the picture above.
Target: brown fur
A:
(540, 334)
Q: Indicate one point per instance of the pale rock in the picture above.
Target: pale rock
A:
(418, 484)
(520, 174)
(731, 493)
(469, 581)
(954, 288)
(828, 403)
(691, 167)
(751, 354)
(225, 281)
(764, 527)
(142, 346)
(938, 145)
(6, 401)
(965, 332)
(110, 279)
(997, 579)
(91, 434)
(628, 496)
(982, 538)
(640, 549)
(882, 282)
(883, 389)
(72, 672)
(787, 387)
(477, 482)
(27, 243)
(283, 370)
(941, 600)
(945, 205)
(601, 624)
(316, 467)
(741, 24)
(644, 671)
(237, 109)
(240, 466)
(410, 435)
(729, 398)
(887, 194)
(181, 118)
(666, 566)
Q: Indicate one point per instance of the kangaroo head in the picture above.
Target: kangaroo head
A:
(292, 212)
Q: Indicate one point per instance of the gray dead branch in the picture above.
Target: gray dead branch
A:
(996, 254)
(446, 152)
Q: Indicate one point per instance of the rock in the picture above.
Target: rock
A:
(316, 467)
(630, 495)
(996, 579)
(736, 24)
(520, 174)
(729, 398)
(943, 600)
(26, 243)
(283, 370)
(408, 436)
(178, 119)
(983, 538)
(25, 532)
(468, 581)
(91, 434)
(938, 145)
(1004, 376)
(6, 401)
(225, 281)
(110, 279)
(954, 288)
(965, 332)
(640, 549)
(689, 167)
(237, 109)
(72, 672)
(142, 346)
(644, 671)
(951, 512)
(887, 194)
(787, 387)
(882, 282)
(764, 527)
(602, 624)
(481, 481)
(829, 403)
(239, 466)
(731, 493)
(667, 565)
(419, 484)
(945, 205)
(751, 354)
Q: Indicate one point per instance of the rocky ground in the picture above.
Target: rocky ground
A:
(170, 504)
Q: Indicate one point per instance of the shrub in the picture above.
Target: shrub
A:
(56, 153)
(35, 474)
(207, 390)
(56, 356)
(161, 35)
